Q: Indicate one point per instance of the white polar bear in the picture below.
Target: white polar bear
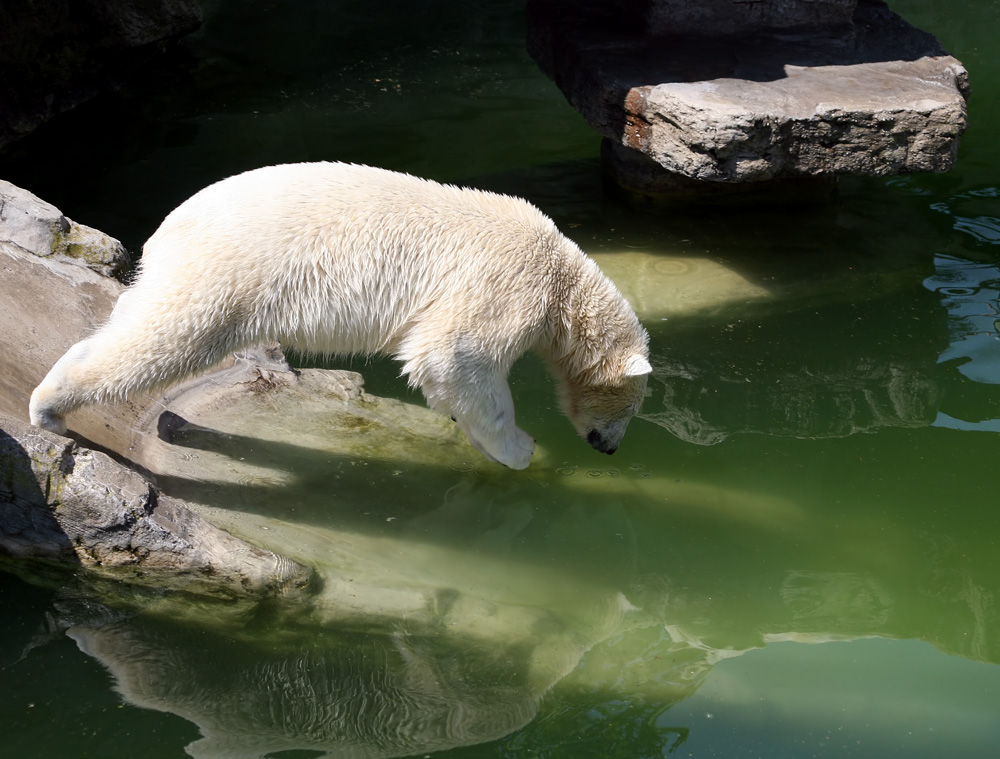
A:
(335, 258)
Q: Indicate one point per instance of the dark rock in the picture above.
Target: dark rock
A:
(737, 17)
(56, 54)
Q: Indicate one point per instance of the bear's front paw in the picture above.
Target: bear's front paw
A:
(513, 447)
(518, 451)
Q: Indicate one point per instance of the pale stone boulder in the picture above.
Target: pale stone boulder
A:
(38, 227)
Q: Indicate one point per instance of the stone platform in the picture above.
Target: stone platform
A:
(694, 101)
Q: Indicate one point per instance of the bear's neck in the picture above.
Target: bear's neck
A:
(587, 321)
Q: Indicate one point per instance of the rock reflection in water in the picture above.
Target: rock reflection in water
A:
(970, 291)
(782, 388)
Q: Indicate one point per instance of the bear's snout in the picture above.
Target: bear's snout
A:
(598, 443)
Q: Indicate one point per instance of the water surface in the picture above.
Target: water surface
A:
(794, 552)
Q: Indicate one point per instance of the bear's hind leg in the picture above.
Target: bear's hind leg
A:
(123, 359)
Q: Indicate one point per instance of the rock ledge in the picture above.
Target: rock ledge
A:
(874, 97)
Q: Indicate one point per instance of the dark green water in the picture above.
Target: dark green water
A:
(793, 554)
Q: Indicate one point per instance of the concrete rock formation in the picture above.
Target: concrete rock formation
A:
(726, 92)
(60, 501)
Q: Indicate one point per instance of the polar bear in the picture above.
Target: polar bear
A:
(334, 258)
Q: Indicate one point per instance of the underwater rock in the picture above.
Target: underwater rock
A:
(661, 286)
(873, 97)
(62, 502)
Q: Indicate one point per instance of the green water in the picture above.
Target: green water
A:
(793, 554)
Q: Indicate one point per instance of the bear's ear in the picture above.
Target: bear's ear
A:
(636, 366)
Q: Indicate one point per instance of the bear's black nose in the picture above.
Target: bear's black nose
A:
(598, 443)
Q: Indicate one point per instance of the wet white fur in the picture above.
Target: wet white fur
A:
(334, 258)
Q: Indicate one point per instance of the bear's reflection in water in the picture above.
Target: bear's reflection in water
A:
(343, 694)
(358, 698)
(450, 626)
(404, 646)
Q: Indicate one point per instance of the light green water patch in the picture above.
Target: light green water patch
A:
(869, 698)
(866, 698)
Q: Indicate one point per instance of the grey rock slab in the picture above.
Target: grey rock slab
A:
(875, 119)
(876, 98)
(253, 424)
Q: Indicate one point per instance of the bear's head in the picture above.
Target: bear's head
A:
(600, 411)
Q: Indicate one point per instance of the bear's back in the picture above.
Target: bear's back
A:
(355, 253)
(342, 211)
